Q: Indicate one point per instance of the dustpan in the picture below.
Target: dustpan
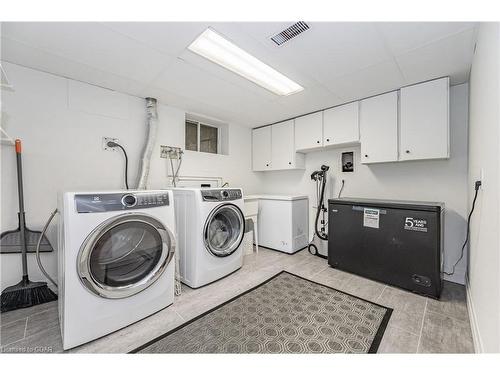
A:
(10, 241)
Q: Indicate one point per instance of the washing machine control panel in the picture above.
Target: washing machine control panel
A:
(217, 195)
(119, 201)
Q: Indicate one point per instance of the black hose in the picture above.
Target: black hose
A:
(323, 236)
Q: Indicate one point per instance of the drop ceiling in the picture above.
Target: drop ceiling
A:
(335, 62)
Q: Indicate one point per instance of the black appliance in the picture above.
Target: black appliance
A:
(396, 242)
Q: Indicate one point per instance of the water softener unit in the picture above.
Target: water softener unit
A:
(396, 242)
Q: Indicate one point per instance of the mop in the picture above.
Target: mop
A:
(26, 293)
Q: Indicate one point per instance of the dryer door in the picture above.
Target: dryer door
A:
(125, 255)
(224, 230)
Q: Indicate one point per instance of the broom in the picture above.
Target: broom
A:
(26, 293)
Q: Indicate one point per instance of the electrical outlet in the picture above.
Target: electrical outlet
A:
(171, 152)
(105, 141)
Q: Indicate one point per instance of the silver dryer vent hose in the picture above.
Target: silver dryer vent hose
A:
(152, 124)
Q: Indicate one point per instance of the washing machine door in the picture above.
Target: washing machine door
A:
(224, 230)
(125, 255)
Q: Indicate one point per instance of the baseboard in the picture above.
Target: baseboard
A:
(476, 336)
(458, 277)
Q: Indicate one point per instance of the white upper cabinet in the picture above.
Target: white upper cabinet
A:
(341, 125)
(424, 121)
(261, 149)
(273, 148)
(283, 146)
(407, 124)
(309, 132)
(378, 119)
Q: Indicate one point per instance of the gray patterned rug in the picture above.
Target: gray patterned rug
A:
(285, 314)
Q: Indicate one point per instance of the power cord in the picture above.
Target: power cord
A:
(341, 188)
(114, 144)
(476, 187)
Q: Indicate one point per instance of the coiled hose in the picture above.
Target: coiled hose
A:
(321, 235)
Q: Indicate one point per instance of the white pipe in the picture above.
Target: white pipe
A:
(152, 123)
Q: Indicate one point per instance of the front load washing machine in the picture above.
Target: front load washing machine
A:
(115, 260)
(210, 228)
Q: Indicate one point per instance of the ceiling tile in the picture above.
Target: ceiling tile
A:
(169, 37)
(312, 99)
(215, 70)
(402, 37)
(449, 56)
(19, 53)
(334, 49)
(370, 81)
(261, 48)
(261, 31)
(91, 44)
(187, 80)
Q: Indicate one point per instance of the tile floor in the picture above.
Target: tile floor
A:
(417, 325)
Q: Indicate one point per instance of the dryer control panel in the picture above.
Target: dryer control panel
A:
(218, 195)
(119, 201)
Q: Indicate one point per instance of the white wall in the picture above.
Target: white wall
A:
(431, 180)
(484, 268)
(61, 123)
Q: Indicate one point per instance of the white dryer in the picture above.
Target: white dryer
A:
(115, 260)
(210, 228)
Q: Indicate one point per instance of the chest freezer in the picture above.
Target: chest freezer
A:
(395, 242)
(283, 222)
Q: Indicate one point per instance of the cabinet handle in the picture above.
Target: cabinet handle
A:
(366, 156)
(317, 141)
(328, 139)
(267, 165)
(290, 163)
(407, 151)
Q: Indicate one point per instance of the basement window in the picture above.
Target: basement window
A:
(202, 136)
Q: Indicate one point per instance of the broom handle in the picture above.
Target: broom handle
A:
(22, 219)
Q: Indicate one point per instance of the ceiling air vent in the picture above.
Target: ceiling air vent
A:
(290, 33)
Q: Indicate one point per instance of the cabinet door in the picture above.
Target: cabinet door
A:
(283, 146)
(424, 125)
(309, 132)
(379, 128)
(261, 149)
(341, 124)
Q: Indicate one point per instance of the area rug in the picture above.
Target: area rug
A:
(285, 314)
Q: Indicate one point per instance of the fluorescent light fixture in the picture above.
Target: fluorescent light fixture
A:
(221, 51)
